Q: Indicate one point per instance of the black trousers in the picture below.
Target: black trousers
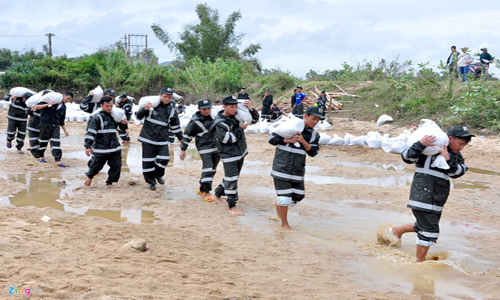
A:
(114, 160)
(33, 133)
(266, 112)
(154, 161)
(210, 162)
(50, 133)
(293, 189)
(19, 127)
(229, 185)
(298, 111)
(123, 133)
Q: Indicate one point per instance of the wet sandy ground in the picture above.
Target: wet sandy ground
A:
(197, 250)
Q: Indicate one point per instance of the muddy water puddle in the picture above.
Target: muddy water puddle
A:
(43, 192)
(351, 228)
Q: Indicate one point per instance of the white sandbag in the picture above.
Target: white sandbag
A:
(347, 138)
(215, 110)
(384, 119)
(243, 113)
(429, 127)
(154, 100)
(117, 113)
(4, 103)
(324, 126)
(336, 141)
(263, 127)
(387, 142)
(324, 138)
(374, 140)
(289, 128)
(55, 97)
(20, 91)
(358, 141)
(97, 94)
(176, 97)
(33, 100)
(398, 146)
(252, 129)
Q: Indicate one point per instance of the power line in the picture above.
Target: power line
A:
(75, 42)
(21, 36)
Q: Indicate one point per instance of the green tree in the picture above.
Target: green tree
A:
(208, 39)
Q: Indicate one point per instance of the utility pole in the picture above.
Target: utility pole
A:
(50, 35)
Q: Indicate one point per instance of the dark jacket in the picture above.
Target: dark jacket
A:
(243, 96)
(268, 101)
(431, 186)
(452, 58)
(88, 107)
(127, 107)
(101, 135)
(18, 110)
(54, 115)
(230, 137)
(294, 100)
(289, 161)
(158, 124)
(198, 128)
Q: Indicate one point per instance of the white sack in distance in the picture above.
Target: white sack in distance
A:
(429, 127)
(384, 119)
(97, 94)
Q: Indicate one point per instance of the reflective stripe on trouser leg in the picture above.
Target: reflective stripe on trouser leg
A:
(21, 134)
(11, 130)
(43, 138)
(55, 144)
(426, 226)
(229, 185)
(210, 162)
(292, 189)
(154, 161)
(34, 123)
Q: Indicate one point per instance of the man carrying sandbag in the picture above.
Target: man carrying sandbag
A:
(431, 186)
(290, 161)
(18, 117)
(232, 146)
(52, 116)
(197, 128)
(159, 121)
(126, 105)
(102, 143)
(88, 106)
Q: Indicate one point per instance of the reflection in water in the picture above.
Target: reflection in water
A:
(45, 193)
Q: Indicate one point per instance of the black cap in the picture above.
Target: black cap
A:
(243, 88)
(229, 100)
(27, 95)
(124, 95)
(217, 102)
(267, 89)
(315, 110)
(323, 92)
(461, 131)
(299, 87)
(204, 103)
(167, 90)
(110, 92)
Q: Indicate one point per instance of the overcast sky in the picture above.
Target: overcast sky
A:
(295, 35)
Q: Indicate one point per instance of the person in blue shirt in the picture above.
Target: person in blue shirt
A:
(298, 109)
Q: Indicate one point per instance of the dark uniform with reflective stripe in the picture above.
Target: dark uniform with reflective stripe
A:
(154, 136)
(34, 129)
(233, 149)
(101, 138)
(198, 128)
(266, 107)
(289, 164)
(50, 120)
(430, 190)
(127, 108)
(321, 103)
(18, 116)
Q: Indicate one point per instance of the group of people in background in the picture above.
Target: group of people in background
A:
(461, 62)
